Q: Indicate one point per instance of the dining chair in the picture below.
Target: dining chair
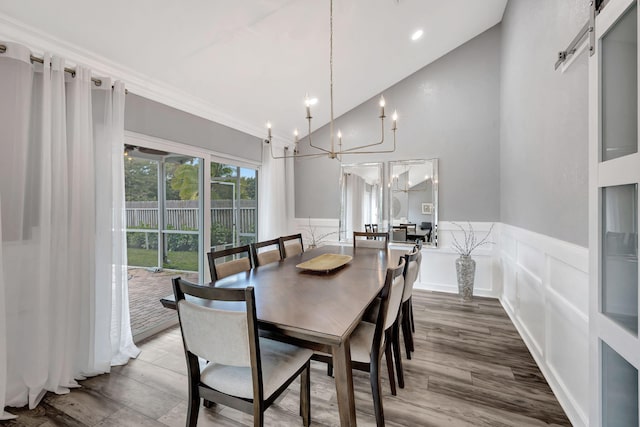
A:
(241, 262)
(411, 228)
(243, 371)
(370, 240)
(399, 233)
(291, 245)
(403, 322)
(370, 340)
(266, 252)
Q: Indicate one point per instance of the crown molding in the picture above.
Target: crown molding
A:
(140, 84)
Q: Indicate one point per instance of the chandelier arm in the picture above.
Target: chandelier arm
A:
(370, 145)
(293, 155)
(371, 152)
(311, 144)
(375, 143)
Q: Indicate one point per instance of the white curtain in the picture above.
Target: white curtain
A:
(275, 198)
(62, 234)
(355, 203)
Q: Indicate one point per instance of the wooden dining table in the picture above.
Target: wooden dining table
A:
(318, 310)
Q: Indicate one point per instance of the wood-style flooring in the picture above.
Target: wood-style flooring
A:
(470, 368)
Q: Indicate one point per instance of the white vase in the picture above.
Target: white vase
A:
(466, 271)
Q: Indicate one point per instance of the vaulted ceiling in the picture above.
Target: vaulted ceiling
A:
(244, 62)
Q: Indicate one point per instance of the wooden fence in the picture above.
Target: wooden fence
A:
(183, 215)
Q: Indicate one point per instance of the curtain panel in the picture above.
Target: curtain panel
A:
(63, 291)
(275, 198)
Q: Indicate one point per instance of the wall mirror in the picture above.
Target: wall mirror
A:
(413, 201)
(361, 207)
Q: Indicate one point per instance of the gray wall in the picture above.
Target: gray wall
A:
(543, 121)
(448, 110)
(152, 118)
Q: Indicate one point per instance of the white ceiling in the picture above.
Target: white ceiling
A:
(244, 62)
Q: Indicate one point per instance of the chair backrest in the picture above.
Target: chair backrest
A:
(241, 261)
(291, 245)
(370, 240)
(399, 233)
(410, 273)
(410, 227)
(374, 228)
(390, 300)
(266, 252)
(225, 331)
(368, 228)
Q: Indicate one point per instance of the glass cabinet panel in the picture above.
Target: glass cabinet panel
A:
(619, 390)
(620, 88)
(620, 255)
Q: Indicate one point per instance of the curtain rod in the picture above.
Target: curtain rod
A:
(33, 58)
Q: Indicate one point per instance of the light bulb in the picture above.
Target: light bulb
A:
(295, 132)
(382, 102)
(395, 116)
(339, 135)
(268, 125)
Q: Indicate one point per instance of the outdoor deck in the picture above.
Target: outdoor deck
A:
(145, 290)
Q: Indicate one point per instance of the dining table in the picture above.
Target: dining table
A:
(316, 309)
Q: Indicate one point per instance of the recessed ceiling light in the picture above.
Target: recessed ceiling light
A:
(417, 35)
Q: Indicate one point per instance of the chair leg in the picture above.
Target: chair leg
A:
(397, 355)
(389, 358)
(193, 410)
(413, 324)
(409, 325)
(329, 369)
(305, 395)
(376, 391)
(406, 330)
(258, 413)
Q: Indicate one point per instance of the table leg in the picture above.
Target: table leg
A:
(344, 383)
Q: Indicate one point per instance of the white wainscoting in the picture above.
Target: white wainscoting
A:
(546, 293)
(324, 228)
(438, 271)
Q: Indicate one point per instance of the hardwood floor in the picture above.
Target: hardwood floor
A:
(470, 368)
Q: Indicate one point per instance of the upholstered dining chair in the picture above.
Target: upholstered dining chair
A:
(291, 245)
(411, 228)
(266, 252)
(243, 371)
(241, 262)
(410, 273)
(370, 340)
(370, 240)
(399, 233)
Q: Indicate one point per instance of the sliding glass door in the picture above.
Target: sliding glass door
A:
(234, 205)
(163, 194)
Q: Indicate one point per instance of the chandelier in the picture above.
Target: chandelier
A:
(335, 151)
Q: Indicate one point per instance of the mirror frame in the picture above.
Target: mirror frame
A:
(342, 223)
(435, 183)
